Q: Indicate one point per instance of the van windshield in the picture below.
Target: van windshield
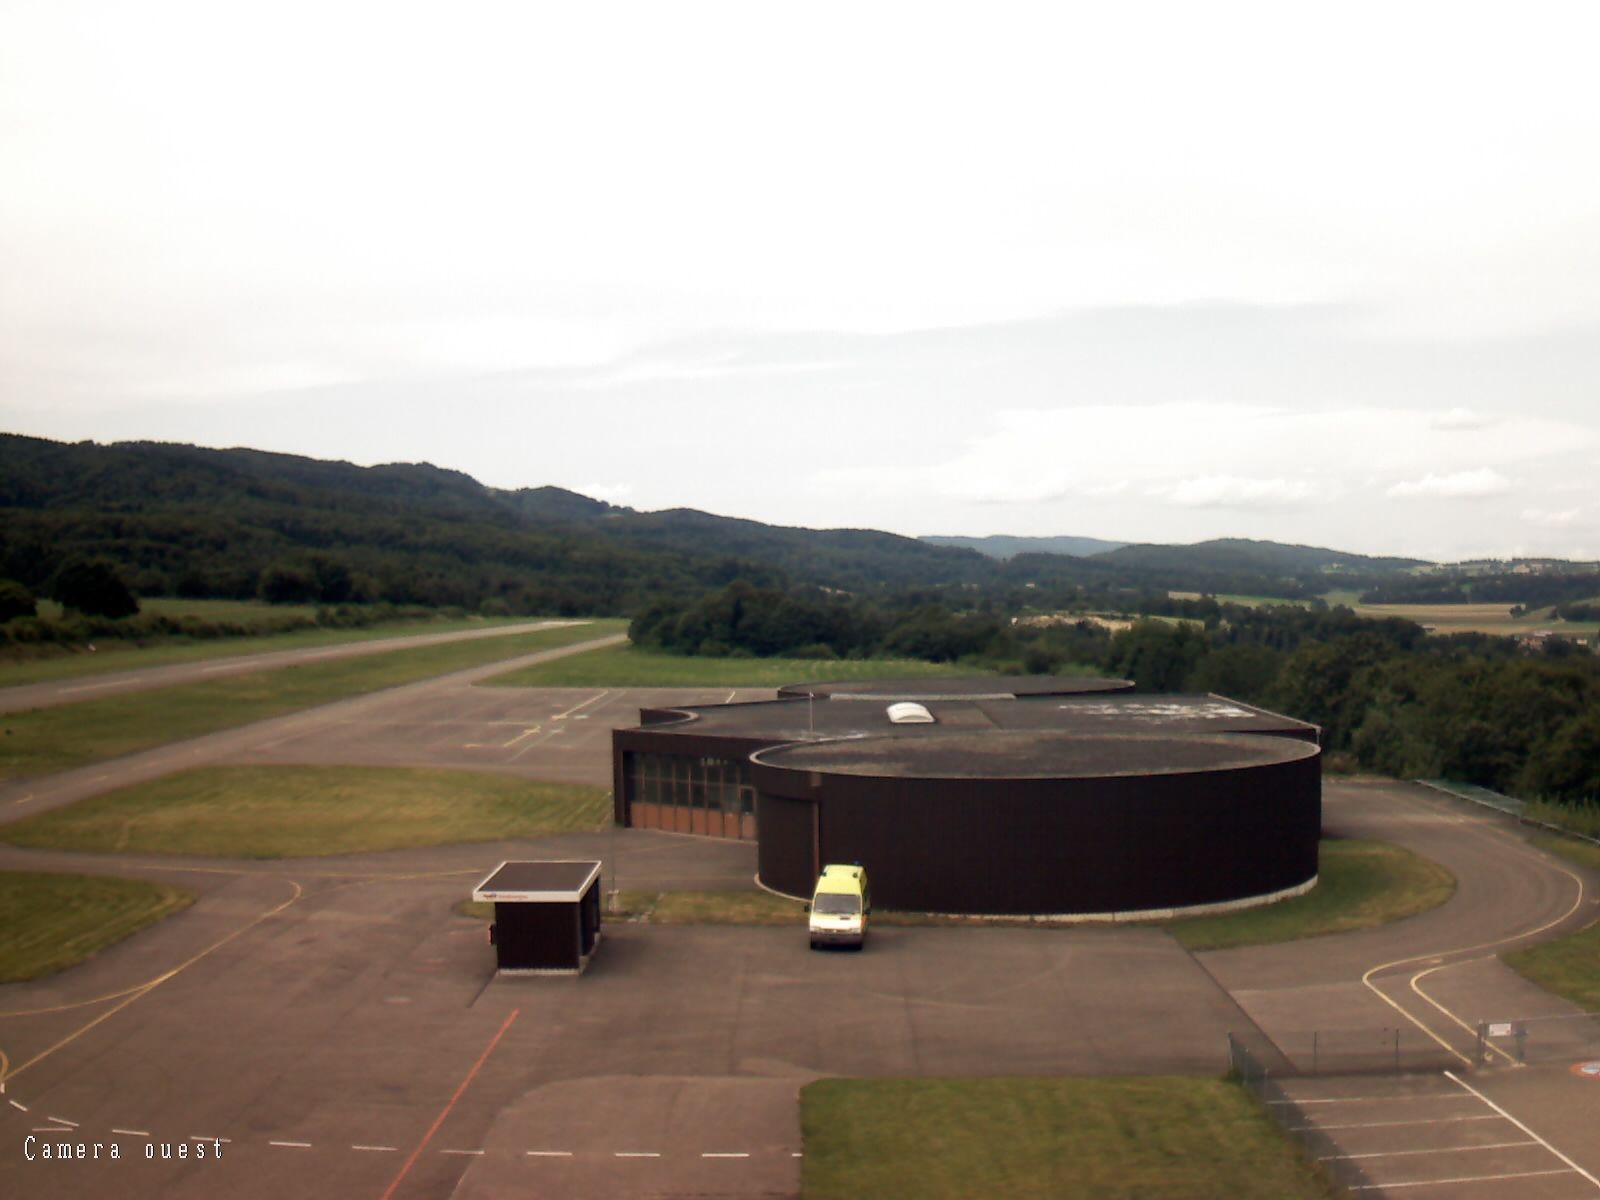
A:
(836, 904)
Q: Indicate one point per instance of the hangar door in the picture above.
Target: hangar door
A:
(683, 793)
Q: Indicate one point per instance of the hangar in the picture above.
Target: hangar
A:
(1037, 796)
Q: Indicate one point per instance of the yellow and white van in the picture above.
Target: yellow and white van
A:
(840, 907)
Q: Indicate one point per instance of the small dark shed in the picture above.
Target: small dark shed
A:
(546, 915)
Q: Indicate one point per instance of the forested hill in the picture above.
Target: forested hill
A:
(1241, 554)
(234, 523)
(182, 520)
(1004, 546)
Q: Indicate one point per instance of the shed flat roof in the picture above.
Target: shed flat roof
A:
(555, 881)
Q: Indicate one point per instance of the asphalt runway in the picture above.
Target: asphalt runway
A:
(142, 679)
(333, 1028)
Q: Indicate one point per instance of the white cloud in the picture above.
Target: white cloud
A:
(1232, 491)
(1485, 481)
(1549, 519)
(1460, 418)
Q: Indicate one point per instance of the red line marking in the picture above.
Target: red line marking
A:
(439, 1120)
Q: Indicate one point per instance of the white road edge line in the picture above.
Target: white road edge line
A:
(1368, 1187)
(1371, 1099)
(1393, 1124)
(1434, 1150)
(1452, 1076)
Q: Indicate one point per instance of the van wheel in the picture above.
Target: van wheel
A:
(813, 943)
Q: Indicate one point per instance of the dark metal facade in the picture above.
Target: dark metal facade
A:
(1021, 831)
(1124, 843)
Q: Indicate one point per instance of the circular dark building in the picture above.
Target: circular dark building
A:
(1033, 796)
(1036, 823)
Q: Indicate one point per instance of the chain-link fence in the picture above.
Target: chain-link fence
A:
(1251, 1061)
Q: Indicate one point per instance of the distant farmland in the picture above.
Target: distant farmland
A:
(1443, 618)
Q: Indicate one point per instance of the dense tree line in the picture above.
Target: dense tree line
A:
(1526, 590)
(1468, 707)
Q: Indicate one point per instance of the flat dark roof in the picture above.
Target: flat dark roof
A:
(972, 687)
(807, 720)
(1033, 754)
(534, 882)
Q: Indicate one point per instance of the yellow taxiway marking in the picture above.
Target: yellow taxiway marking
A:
(141, 990)
(1432, 956)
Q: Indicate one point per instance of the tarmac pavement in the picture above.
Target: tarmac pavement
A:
(342, 1027)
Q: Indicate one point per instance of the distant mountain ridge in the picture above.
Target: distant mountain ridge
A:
(194, 521)
(1243, 554)
(1003, 546)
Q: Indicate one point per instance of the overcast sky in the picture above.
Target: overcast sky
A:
(1151, 272)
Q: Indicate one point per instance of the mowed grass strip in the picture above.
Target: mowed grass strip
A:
(303, 812)
(1041, 1139)
(629, 666)
(59, 662)
(1359, 885)
(50, 922)
(42, 741)
(1568, 966)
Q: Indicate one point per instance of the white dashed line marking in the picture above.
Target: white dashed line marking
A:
(636, 1154)
(195, 1137)
(710, 1155)
(1367, 1187)
(549, 1153)
(51, 1129)
(18, 1107)
(461, 1152)
(132, 1132)
(292, 1145)
(62, 1121)
(1434, 1150)
(378, 1149)
(1393, 1124)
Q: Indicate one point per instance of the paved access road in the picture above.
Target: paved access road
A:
(342, 1027)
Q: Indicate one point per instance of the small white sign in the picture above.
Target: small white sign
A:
(1500, 1029)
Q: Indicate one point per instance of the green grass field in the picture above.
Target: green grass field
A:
(302, 812)
(1041, 1139)
(1568, 966)
(1359, 885)
(628, 666)
(45, 740)
(51, 922)
(76, 662)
